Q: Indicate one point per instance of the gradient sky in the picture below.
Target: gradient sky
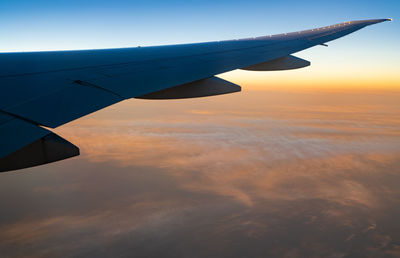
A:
(367, 59)
(301, 163)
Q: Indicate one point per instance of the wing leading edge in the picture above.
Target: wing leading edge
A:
(53, 88)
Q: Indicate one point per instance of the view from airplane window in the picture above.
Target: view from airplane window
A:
(259, 142)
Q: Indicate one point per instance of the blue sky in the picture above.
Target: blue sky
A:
(45, 25)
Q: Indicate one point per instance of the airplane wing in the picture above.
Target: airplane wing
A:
(41, 90)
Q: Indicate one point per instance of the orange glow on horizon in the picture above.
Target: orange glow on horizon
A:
(297, 81)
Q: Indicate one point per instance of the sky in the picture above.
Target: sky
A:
(301, 163)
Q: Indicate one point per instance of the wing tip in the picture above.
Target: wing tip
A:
(370, 21)
(379, 20)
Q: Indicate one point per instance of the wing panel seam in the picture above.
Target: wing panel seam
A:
(88, 84)
(20, 118)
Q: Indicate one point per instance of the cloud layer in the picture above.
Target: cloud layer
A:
(253, 175)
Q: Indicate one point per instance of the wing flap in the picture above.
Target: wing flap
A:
(45, 150)
(283, 63)
(23, 144)
(16, 133)
(202, 88)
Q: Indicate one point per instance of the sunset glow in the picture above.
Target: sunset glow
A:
(301, 163)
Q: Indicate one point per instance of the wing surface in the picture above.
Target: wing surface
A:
(53, 88)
